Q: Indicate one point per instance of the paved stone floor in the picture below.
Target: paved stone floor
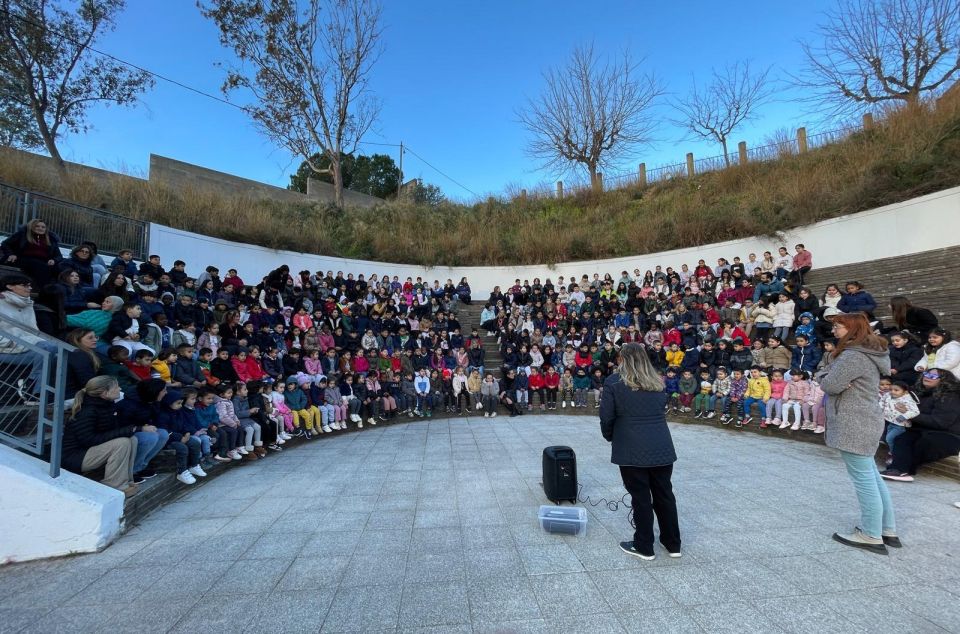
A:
(431, 526)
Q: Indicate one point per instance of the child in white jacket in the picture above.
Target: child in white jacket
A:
(783, 317)
(897, 421)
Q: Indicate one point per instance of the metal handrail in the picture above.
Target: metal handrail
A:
(73, 223)
(26, 427)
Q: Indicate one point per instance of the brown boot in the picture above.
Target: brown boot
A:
(250, 457)
(260, 451)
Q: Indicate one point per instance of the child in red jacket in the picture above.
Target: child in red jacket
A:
(551, 384)
(535, 385)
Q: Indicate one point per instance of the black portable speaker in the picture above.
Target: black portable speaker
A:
(560, 474)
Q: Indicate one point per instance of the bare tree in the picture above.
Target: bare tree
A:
(307, 70)
(592, 112)
(49, 74)
(882, 51)
(731, 98)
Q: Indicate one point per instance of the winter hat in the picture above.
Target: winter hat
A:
(291, 380)
(116, 303)
(806, 314)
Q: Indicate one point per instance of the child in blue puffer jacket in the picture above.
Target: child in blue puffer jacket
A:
(181, 424)
(671, 385)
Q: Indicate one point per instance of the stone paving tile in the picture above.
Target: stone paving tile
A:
(434, 604)
(300, 612)
(564, 594)
(550, 559)
(366, 608)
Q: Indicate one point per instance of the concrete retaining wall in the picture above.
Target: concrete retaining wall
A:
(913, 226)
(50, 517)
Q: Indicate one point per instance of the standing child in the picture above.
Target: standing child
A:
(566, 388)
(536, 387)
(551, 384)
(738, 389)
(460, 393)
(688, 388)
(281, 409)
(796, 395)
(671, 385)
(252, 431)
(701, 401)
(581, 385)
(228, 418)
(758, 391)
(775, 403)
(424, 394)
(721, 391)
(596, 386)
(474, 382)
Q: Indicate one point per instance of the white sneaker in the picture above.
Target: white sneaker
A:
(187, 478)
(234, 455)
(198, 471)
(327, 430)
(711, 414)
(795, 426)
(819, 430)
(479, 406)
(360, 424)
(492, 414)
(242, 451)
(784, 424)
(371, 421)
(676, 555)
(281, 441)
(486, 414)
(249, 448)
(286, 436)
(356, 418)
(563, 404)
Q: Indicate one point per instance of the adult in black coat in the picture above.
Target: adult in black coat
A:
(94, 437)
(632, 419)
(914, 319)
(934, 433)
(905, 353)
(35, 250)
(83, 363)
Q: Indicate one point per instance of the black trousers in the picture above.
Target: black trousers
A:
(651, 492)
(915, 447)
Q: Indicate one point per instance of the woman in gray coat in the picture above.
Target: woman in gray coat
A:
(632, 419)
(855, 424)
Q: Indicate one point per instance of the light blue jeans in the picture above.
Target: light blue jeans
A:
(876, 507)
(149, 444)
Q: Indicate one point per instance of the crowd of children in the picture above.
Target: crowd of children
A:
(247, 368)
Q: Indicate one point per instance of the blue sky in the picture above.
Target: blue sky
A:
(451, 78)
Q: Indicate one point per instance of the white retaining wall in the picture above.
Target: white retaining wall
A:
(920, 224)
(50, 517)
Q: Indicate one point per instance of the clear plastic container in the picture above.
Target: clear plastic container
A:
(567, 520)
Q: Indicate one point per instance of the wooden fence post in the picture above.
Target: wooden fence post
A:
(642, 174)
(523, 195)
(690, 164)
(559, 189)
(742, 151)
(867, 121)
(802, 139)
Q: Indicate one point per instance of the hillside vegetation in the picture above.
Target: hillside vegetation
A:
(906, 154)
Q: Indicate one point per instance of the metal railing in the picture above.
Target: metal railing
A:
(73, 223)
(31, 412)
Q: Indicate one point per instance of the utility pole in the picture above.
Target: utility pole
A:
(400, 180)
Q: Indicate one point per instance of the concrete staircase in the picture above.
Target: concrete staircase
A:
(926, 279)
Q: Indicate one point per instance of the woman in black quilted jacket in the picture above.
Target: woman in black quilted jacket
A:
(632, 419)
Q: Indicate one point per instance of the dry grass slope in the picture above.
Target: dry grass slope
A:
(906, 154)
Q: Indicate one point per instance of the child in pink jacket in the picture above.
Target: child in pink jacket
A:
(816, 400)
(775, 403)
(796, 394)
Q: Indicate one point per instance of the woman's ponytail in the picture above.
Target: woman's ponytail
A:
(97, 386)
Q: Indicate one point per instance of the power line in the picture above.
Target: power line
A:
(447, 176)
(203, 93)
